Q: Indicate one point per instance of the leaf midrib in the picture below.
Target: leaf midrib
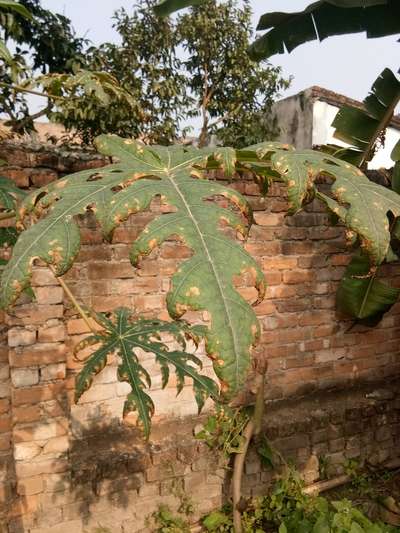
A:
(169, 175)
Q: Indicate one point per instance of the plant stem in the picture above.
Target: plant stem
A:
(74, 301)
(20, 89)
(252, 428)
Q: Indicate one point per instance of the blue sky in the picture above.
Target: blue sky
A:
(345, 64)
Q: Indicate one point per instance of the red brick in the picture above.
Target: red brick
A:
(18, 175)
(279, 263)
(49, 295)
(26, 414)
(34, 395)
(298, 276)
(42, 176)
(111, 270)
(40, 354)
(51, 334)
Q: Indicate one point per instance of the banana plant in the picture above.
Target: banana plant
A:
(124, 334)
(319, 20)
(361, 294)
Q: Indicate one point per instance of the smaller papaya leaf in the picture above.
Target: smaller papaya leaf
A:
(9, 194)
(361, 295)
(363, 206)
(124, 334)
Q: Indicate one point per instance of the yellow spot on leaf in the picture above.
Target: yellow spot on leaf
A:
(193, 291)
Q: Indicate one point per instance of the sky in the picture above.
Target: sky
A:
(344, 64)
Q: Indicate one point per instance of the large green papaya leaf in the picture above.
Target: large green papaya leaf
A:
(124, 335)
(363, 206)
(361, 295)
(204, 282)
(361, 128)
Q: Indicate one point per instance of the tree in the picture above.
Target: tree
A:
(233, 92)
(43, 41)
(147, 66)
(50, 43)
(212, 77)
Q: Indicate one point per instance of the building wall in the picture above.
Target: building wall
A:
(331, 386)
(294, 117)
(323, 116)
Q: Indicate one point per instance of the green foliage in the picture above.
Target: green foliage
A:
(223, 430)
(361, 295)
(352, 191)
(319, 20)
(80, 98)
(203, 282)
(171, 87)
(10, 194)
(233, 93)
(288, 510)
(48, 36)
(362, 128)
(168, 522)
(8, 10)
(124, 335)
(43, 41)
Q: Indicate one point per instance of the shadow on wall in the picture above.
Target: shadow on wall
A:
(106, 470)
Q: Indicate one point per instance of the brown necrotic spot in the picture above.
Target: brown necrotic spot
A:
(95, 177)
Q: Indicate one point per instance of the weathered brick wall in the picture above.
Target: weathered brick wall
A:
(68, 467)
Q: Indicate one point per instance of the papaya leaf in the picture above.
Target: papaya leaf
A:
(226, 157)
(9, 194)
(361, 295)
(363, 206)
(125, 335)
(113, 193)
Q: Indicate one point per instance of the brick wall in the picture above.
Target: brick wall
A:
(65, 467)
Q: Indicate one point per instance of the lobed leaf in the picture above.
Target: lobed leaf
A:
(204, 282)
(363, 206)
(124, 335)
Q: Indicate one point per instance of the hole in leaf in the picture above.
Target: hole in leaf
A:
(95, 177)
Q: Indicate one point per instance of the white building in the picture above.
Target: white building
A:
(305, 121)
